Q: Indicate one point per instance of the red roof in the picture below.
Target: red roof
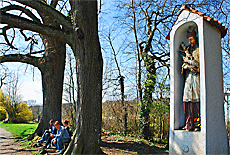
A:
(209, 19)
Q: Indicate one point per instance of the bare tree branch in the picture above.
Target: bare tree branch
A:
(24, 10)
(26, 24)
(64, 5)
(4, 29)
(35, 61)
(26, 38)
(49, 11)
(36, 52)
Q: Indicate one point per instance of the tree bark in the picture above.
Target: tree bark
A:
(52, 76)
(52, 83)
(89, 70)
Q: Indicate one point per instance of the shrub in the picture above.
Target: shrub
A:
(17, 111)
(3, 113)
(24, 113)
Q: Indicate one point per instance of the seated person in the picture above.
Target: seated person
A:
(47, 133)
(65, 124)
(61, 137)
(50, 137)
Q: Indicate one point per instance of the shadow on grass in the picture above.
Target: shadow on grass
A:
(23, 134)
(139, 148)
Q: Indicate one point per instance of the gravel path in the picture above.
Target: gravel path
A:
(8, 145)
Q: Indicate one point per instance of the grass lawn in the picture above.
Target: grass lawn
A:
(19, 130)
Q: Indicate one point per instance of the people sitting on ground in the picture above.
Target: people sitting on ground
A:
(62, 136)
(65, 124)
(49, 139)
(48, 133)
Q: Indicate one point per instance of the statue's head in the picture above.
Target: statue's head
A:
(191, 35)
(192, 41)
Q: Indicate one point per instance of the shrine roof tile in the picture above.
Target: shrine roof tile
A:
(209, 19)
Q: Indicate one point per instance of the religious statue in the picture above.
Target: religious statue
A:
(190, 71)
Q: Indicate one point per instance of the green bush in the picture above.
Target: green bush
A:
(3, 113)
(23, 114)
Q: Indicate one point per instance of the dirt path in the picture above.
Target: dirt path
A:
(9, 146)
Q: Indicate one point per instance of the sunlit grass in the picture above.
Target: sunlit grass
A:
(19, 130)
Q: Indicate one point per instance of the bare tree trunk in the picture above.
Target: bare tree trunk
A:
(121, 81)
(52, 82)
(89, 70)
(138, 55)
(52, 72)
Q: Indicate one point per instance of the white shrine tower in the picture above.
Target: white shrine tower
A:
(212, 138)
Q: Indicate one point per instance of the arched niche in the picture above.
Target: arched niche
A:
(179, 37)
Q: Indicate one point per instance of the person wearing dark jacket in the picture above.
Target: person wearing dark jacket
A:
(48, 135)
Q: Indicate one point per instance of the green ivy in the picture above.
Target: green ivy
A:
(70, 14)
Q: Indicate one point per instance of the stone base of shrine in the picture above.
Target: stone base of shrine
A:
(189, 142)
